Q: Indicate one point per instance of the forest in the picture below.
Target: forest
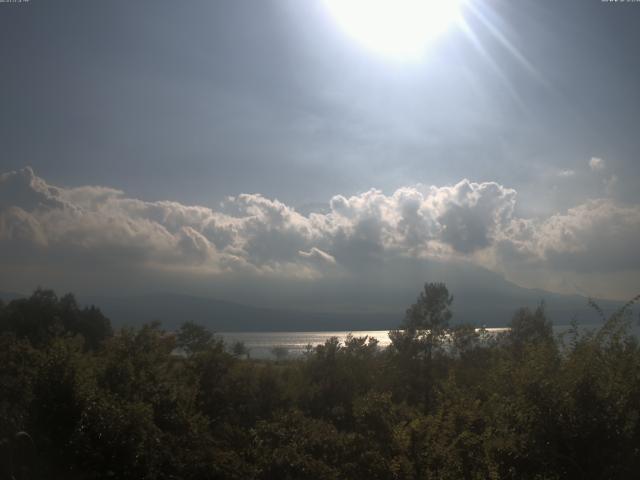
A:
(80, 400)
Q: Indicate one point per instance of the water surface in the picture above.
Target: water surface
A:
(261, 344)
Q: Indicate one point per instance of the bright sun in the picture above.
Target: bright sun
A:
(398, 28)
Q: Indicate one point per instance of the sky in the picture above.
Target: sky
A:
(257, 151)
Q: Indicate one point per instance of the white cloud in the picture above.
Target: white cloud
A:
(251, 234)
(592, 245)
(17, 225)
(318, 255)
(599, 235)
(253, 230)
(23, 188)
(610, 184)
(471, 214)
(596, 164)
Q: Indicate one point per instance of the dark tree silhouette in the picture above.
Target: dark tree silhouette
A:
(43, 316)
(194, 338)
(530, 326)
(239, 349)
(442, 402)
(426, 321)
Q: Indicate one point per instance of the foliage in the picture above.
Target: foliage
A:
(239, 349)
(426, 322)
(44, 316)
(193, 338)
(280, 352)
(443, 402)
(529, 327)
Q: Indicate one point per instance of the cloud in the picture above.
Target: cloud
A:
(589, 248)
(566, 173)
(470, 214)
(94, 227)
(599, 235)
(610, 184)
(318, 255)
(19, 227)
(25, 189)
(252, 230)
(596, 164)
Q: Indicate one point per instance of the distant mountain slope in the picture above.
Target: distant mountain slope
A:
(8, 296)
(481, 297)
(173, 309)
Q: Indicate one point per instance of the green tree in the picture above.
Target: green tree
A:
(239, 349)
(426, 322)
(422, 334)
(193, 338)
(280, 352)
(530, 327)
(18, 363)
(44, 316)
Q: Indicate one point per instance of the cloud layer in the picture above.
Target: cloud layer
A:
(94, 226)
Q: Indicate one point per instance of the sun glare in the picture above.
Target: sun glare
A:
(398, 28)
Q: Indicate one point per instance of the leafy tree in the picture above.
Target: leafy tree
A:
(18, 372)
(441, 403)
(426, 321)
(294, 446)
(431, 311)
(280, 352)
(44, 316)
(465, 339)
(424, 331)
(239, 349)
(57, 399)
(210, 369)
(193, 338)
(336, 374)
(530, 327)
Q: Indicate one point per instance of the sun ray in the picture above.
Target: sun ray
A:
(475, 9)
(471, 35)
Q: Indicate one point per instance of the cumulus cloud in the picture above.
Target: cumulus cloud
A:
(599, 235)
(596, 164)
(318, 255)
(251, 230)
(24, 189)
(16, 225)
(471, 214)
(255, 235)
(589, 248)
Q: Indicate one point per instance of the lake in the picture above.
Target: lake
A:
(260, 344)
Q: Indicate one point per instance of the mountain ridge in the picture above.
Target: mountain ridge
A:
(479, 307)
